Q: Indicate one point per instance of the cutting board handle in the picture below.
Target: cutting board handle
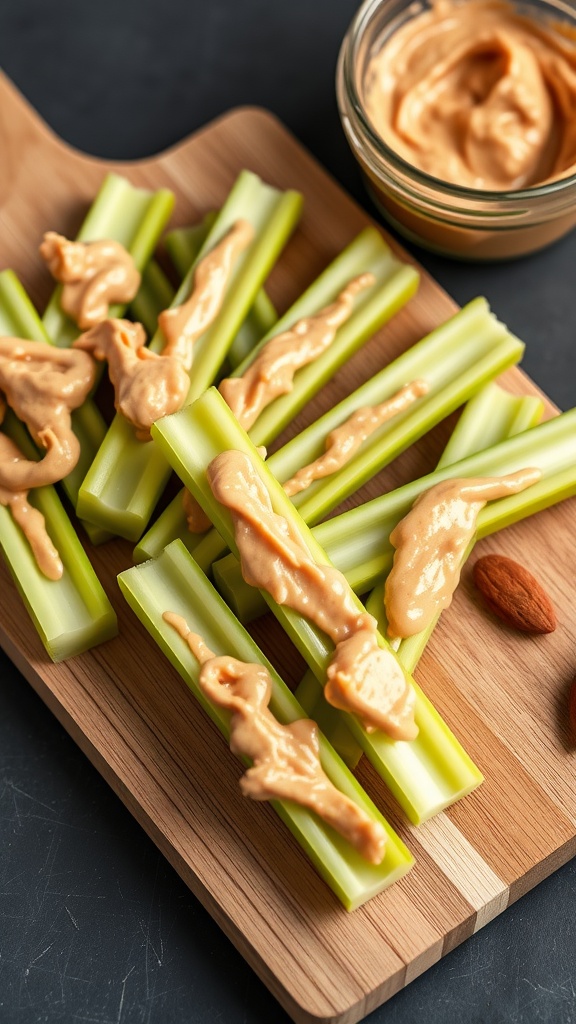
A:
(22, 134)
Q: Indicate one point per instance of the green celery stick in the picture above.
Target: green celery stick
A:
(357, 541)
(127, 476)
(455, 360)
(136, 218)
(425, 775)
(154, 295)
(71, 614)
(490, 417)
(174, 583)
(183, 244)
(395, 284)
(19, 319)
(132, 216)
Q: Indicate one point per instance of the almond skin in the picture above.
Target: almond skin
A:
(514, 594)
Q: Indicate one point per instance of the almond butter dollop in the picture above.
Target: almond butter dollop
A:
(271, 373)
(285, 758)
(146, 385)
(362, 676)
(475, 93)
(94, 275)
(431, 542)
(149, 385)
(29, 519)
(43, 384)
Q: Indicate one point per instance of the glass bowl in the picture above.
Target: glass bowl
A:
(446, 218)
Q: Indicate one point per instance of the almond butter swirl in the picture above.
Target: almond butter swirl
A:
(29, 519)
(42, 384)
(362, 677)
(94, 275)
(431, 543)
(285, 759)
(147, 384)
(271, 373)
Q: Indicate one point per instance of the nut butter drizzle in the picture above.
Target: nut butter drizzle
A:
(183, 325)
(43, 384)
(362, 677)
(285, 758)
(343, 442)
(272, 372)
(94, 276)
(431, 542)
(149, 385)
(29, 519)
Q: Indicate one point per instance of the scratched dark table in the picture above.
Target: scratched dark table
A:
(94, 924)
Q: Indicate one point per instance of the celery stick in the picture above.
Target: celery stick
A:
(455, 360)
(19, 319)
(132, 216)
(174, 583)
(71, 614)
(184, 244)
(154, 295)
(127, 477)
(488, 418)
(395, 284)
(357, 543)
(425, 775)
(136, 218)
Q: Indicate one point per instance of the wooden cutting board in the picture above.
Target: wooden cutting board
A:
(504, 695)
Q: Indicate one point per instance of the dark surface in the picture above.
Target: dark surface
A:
(94, 925)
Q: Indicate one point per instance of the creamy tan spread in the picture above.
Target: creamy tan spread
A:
(146, 385)
(274, 557)
(43, 384)
(285, 758)
(29, 519)
(94, 276)
(431, 542)
(183, 325)
(196, 519)
(271, 373)
(343, 442)
(477, 94)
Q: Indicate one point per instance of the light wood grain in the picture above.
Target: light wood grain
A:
(504, 695)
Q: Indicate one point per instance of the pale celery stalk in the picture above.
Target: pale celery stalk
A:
(395, 284)
(183, 244)
(127, 476)
(174, 583)
(488, 418)
(425, 775)
(135, 217)
(18, 318)
(154, 295)
(455, 360)
(357, 541)
(71, 614)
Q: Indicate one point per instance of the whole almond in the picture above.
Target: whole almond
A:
(514, 594)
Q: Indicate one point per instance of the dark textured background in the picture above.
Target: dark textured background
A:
(94, 925)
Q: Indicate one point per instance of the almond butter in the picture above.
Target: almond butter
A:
(514, 594)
